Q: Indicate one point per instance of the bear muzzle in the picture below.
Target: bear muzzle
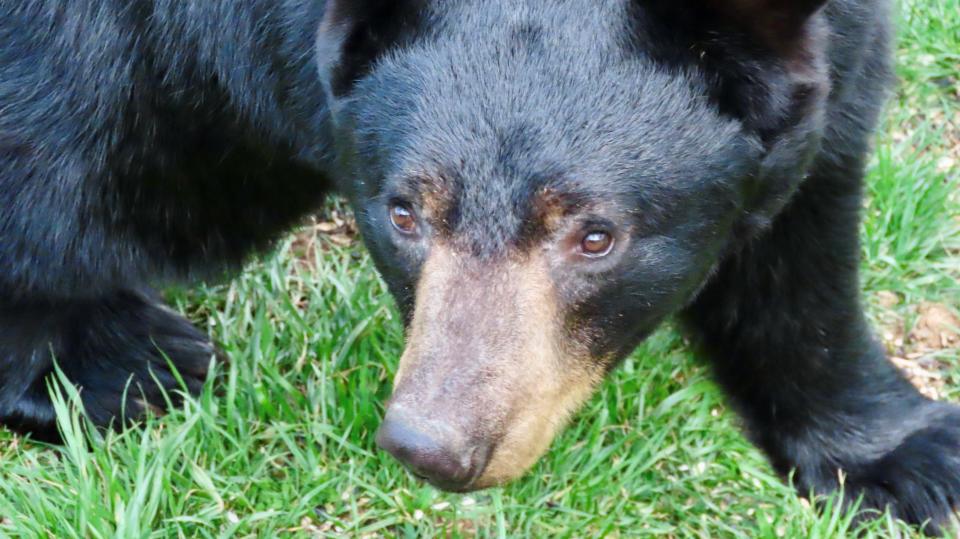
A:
(488, 376)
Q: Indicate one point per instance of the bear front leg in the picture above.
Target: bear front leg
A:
(116, 350)
(783, 326)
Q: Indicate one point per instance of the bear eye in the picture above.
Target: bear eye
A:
(402, 218)
(596, 244)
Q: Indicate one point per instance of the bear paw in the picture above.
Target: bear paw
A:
(919, 479)
(124, 354)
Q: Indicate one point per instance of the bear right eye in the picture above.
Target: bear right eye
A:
(402, 218)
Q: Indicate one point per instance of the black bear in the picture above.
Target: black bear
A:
(540, 184)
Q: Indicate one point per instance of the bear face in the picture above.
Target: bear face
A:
(540, 188)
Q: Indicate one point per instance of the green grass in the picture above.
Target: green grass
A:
(283, 445)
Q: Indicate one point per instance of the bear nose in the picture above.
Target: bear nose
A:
(428, 453)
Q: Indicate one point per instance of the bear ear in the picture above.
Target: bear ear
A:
(779, 24)
(354, 33)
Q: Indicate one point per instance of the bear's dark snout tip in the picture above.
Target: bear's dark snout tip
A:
(432, 452)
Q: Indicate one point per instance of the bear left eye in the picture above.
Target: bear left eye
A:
(596, 244)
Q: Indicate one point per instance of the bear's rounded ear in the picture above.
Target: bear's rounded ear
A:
(354, 33)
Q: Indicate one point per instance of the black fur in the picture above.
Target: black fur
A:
(723, 141)
(141, 141)
(116, 348)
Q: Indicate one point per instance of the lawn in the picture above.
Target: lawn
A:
(283, 444)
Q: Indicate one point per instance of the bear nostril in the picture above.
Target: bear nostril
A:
(428, 457)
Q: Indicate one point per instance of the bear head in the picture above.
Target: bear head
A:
(542, 183)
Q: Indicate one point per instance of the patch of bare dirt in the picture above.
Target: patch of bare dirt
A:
(332, 226)
(918, 350)
(937, 328)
